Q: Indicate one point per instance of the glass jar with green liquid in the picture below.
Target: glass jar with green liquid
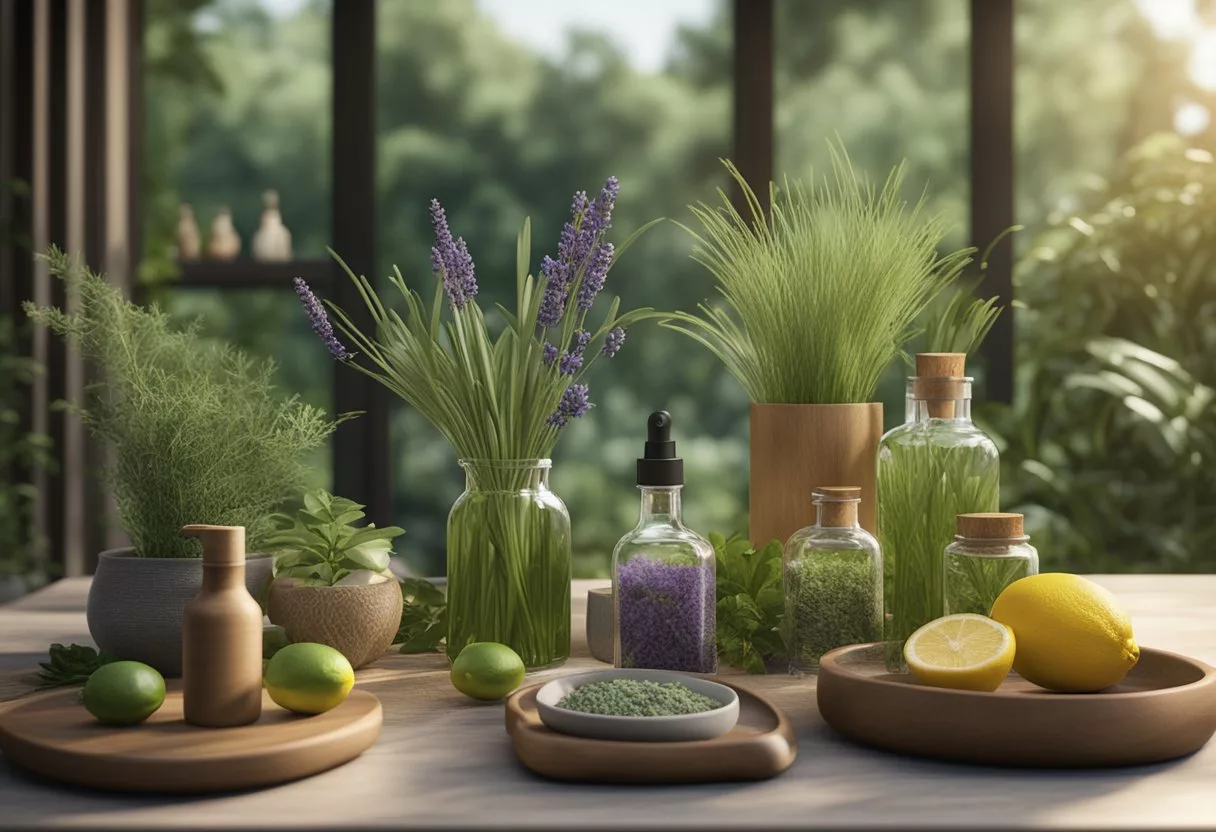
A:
(934, 467)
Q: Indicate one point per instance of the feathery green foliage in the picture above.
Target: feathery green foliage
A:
(197, 432)
(817, 305)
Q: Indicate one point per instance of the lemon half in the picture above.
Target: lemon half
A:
(965, 652)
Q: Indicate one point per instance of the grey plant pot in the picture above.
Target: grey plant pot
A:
(600, 612)
(136, 604)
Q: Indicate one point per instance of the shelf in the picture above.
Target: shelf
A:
(252, 274)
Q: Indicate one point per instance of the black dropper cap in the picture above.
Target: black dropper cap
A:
(659, 465)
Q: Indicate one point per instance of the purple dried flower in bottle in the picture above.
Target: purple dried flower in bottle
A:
(666, 615)
(574, 403)
(451, 258)
(613, 341)
(320, 321)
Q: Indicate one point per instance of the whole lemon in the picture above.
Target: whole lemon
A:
(308, 678)
(487, 670)
(1072, 635)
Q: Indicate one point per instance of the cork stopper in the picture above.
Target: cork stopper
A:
(990, 526)
(837, 505)
(940, 378)
(222, 545)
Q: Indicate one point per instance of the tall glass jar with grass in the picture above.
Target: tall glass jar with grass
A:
(934, 467)
(500, 387)
(509, 561)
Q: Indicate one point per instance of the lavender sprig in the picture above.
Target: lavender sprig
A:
(578, 249)
(574, 403)
(320, 321)
(613, 342)
(451, 258)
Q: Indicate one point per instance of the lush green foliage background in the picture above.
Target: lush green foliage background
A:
(238, 101)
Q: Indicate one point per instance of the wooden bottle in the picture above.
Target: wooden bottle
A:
(222, 636)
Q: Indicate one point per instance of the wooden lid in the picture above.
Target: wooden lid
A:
(222, 545)
(837, 505)
(940, 364)
(993, 526)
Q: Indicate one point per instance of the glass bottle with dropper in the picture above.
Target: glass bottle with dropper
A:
(663, 572)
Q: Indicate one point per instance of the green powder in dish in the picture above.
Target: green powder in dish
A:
(636, 697)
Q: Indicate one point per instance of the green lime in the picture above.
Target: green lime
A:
(486, 670)
(124, 693)
(309, 678)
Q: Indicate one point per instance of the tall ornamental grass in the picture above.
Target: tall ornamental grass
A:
(815, 304)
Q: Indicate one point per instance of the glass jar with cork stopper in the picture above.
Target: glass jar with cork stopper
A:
(990, 551)
(934, 467)
(832, 577)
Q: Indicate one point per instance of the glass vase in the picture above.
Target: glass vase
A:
(509, 562)
(931, 469)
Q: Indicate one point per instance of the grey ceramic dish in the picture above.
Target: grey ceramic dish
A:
(682, 728)
(136, 605)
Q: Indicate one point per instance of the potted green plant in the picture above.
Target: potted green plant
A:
(816, 302)
(195, 433)
(332, 582)
(501, 400)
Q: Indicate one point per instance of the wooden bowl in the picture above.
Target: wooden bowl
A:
(1163, 709)
(360, 622)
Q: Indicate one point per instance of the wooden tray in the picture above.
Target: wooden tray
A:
(1164, 708)
(56, 737)
(760, 746)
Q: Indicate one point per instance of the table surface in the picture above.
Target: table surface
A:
(443, 760)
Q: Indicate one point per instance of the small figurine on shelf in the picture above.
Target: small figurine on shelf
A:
(225, 243)
(272, 240)
(189, 241)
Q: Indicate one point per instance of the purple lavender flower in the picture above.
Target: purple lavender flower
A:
(574, 403)
(549, 353)
(451, 259)
(613, 342)
(594, 277)
(575, 248)
(320, 321)
(667, 615)
(570, 363)
(581, 339)
(598, 217)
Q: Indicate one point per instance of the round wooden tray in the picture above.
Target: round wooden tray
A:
(56, 737)
(1165, 708)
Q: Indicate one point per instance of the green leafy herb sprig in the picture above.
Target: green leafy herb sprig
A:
(750, 604)
(320, 544)
(72, 664)
(424, 616)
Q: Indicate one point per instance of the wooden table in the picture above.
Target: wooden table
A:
(444, 760)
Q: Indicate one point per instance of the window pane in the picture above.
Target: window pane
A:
(266, 323)
(237, 101)
(502, 111)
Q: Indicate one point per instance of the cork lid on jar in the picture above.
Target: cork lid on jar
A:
(991, 526)
(837, 505)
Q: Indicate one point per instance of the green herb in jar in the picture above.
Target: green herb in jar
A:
(833, 598)
(637, 697)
